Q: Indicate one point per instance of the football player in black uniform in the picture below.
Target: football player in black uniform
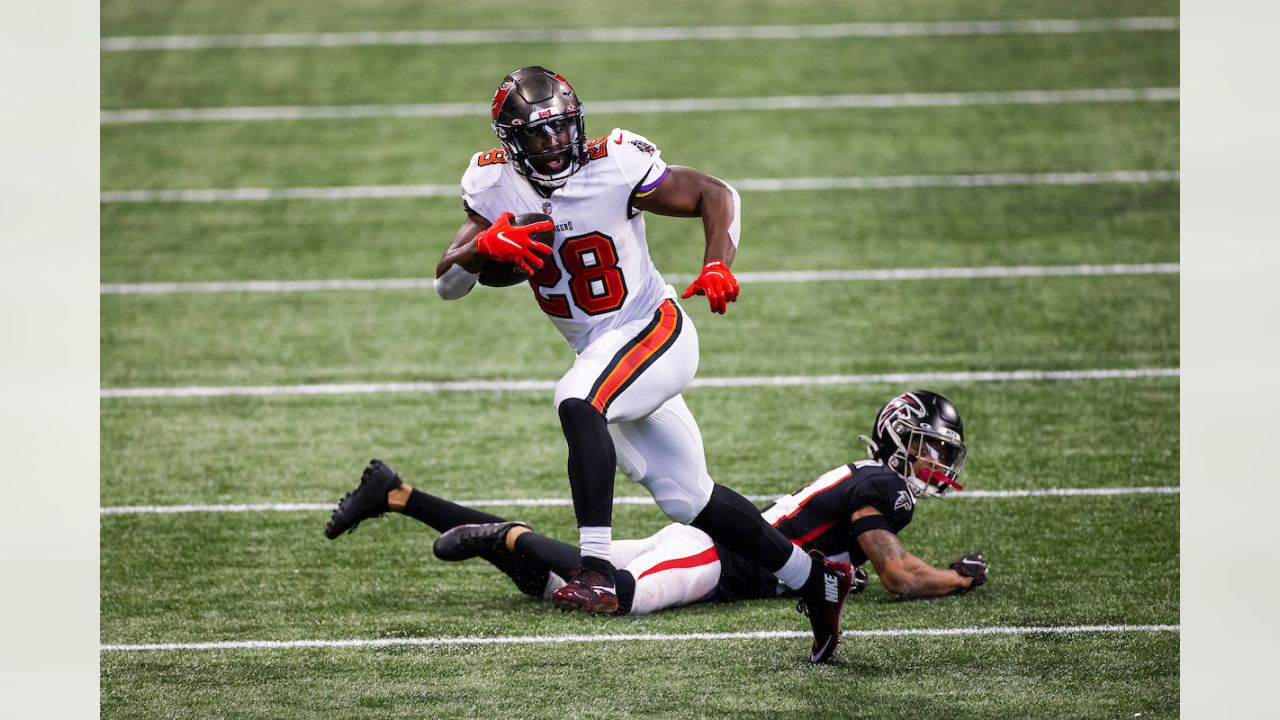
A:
(852, 513)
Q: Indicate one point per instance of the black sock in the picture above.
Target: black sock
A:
(558, 557)
(442, 514)
(592, 462)
(735, 523)
(626, 585)
(529, 576)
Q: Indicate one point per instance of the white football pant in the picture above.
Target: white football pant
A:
(675, 566)
(634, 375)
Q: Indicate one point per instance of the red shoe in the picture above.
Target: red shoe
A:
(588, 590)
(823, 602)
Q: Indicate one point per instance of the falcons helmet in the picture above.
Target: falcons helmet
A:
(920, 425)
(539, 120)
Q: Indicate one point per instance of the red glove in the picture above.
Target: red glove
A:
(505, 242)
(717, 283)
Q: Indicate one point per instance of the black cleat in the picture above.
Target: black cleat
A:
(368, 500)
(822, 601)
(467, 541)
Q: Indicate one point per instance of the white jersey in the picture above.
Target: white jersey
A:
(600, 275)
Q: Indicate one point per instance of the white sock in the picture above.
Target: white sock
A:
(796, 571)
(595, 542)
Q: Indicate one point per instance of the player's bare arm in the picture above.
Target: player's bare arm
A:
(479, 241)
(901, 572)
(689, 193)
(462, 250)
(685, 192)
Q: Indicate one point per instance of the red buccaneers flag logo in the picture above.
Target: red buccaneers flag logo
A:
(499, 97)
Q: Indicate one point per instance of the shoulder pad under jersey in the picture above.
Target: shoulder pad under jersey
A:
(484, 171)
(633, 155)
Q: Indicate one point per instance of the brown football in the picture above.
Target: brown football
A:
(503, 274)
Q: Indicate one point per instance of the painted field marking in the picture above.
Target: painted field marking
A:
(623, 500)
(628, 637)
(546, 385)
(284, 286)
(871, 182)
(675, 105)
(642, 34)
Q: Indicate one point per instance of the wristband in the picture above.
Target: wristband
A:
(735, 227)
(455, 282)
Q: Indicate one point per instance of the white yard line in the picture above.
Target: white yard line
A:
(630, 637)
(546, 385)
(677, 105)
(866, 182)
(623, 500)
(888, 274)
(642, 34)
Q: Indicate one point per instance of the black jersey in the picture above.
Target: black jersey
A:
(818, 517)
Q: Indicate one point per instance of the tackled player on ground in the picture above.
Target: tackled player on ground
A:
(853, 513)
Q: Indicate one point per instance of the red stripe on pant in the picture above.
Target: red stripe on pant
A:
(706, 557)
(636, 356)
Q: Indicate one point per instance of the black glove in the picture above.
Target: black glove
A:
(859, 581)
(973, 566)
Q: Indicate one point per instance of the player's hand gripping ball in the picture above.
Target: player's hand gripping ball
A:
(515, 248)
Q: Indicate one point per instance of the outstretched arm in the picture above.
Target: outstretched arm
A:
(901, 572)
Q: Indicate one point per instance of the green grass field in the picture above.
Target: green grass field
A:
(1107, 561)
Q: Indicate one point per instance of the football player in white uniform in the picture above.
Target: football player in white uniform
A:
(620, 405)
(853, 512)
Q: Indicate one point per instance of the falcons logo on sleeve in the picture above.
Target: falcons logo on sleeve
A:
(905, 501)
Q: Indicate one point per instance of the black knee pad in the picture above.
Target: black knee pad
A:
(579, 414)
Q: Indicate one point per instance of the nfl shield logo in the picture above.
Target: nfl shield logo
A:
(546, 208)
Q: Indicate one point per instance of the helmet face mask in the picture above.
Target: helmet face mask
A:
(546, 150)
(539, 119)
(921, 437)
(934, 462)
